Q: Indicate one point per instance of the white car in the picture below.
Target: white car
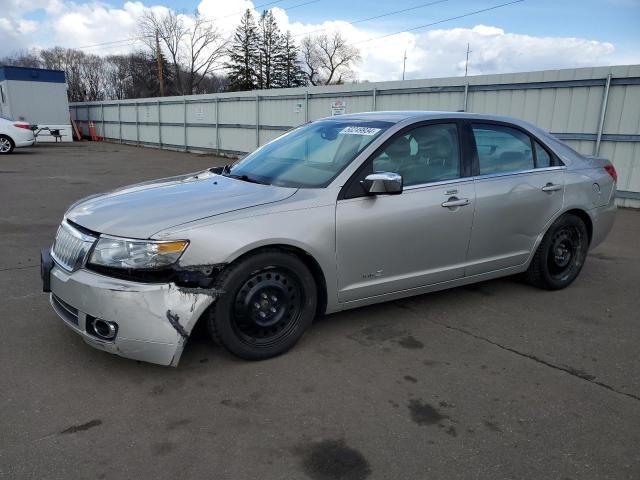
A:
(14, 134)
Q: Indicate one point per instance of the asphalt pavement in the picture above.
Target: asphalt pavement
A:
(497, 380)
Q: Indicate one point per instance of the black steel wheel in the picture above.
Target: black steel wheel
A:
(268, 306)
(269, 301)
(560, 255)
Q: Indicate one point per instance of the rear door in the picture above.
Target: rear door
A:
(389, 243)
(519, 188)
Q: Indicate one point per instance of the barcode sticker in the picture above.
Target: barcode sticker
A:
(359, 131)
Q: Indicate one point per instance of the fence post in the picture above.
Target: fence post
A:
(306, 107)
(257, 120)
(102, 119)
(375, 93)
(466, 96)
(217, 128)
(119, 123)
(184, 122)
(603, 112)
(137, 126)
(159, 126)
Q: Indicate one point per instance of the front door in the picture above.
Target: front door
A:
(389, 243)
(519, 189)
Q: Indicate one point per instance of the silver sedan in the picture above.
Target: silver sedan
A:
(339, 213)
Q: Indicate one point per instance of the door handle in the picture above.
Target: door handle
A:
(456, 202)
(550, 187)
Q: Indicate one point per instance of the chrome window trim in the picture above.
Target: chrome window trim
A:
(439, 183)
(518, 172)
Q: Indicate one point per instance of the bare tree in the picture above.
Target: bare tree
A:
(92, 69)
(201, 53)
(70, 61)
(195, 46)
(23, 58)
(171, 29)
(310, 60)
(328, 59)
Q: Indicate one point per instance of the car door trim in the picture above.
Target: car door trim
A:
(470, 139)
(463, 147)
(519, 172)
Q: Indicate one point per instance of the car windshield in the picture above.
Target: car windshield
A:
(310, 156)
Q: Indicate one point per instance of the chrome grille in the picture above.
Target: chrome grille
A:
(71, 247)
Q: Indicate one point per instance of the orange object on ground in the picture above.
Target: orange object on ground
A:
(92, 132)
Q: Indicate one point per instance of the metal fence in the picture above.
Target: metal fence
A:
(595, 110)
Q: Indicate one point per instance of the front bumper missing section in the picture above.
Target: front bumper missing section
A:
(154, 320)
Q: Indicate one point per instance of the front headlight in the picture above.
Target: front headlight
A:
(137, 254)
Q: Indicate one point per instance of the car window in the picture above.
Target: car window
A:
(543, 159)
(425, 154)
(502, 149)
(310, 156)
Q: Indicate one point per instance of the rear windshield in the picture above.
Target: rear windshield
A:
(310, 156)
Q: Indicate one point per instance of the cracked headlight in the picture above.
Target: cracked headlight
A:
(136, 254)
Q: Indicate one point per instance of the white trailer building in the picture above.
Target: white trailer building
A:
(37, 96)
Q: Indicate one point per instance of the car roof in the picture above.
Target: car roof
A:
(569, 155)
(417, 115)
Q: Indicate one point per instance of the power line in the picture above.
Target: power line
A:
(387, 14)
(438, 22)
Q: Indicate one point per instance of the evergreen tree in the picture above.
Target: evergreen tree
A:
(244, 59)
(288, 67)
(270, 40)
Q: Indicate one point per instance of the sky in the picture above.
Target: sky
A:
(523, 36)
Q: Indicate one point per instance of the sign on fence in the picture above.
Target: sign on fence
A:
(338, 107)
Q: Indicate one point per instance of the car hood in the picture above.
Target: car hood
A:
(141, 210)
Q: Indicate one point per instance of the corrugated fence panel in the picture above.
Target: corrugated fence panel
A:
(568, 103)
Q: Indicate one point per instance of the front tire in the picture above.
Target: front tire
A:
(561, 254)
(268, 303)
(6, 145)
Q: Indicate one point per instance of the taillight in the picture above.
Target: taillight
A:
(26, 126)
(611, 170)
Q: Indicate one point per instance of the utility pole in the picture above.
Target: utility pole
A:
(159, 59)
(466, 63)
(404, 64)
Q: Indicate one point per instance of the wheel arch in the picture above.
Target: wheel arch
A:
(13, 142)
(582, 215)
(577, 211)
(305, 257)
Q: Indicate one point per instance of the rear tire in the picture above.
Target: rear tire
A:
(6, 145)
(268, 303)
(561, 254)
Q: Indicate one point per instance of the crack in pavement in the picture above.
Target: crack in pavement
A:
(571, 371)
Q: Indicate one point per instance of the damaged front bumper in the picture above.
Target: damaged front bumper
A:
(153, 320)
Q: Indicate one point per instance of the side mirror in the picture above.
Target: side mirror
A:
(381, 183)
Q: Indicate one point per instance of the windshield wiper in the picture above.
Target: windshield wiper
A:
(245, 178)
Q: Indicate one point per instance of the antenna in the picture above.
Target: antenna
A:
(466, 63)
(404, 63)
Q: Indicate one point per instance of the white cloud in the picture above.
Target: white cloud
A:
(433, 53)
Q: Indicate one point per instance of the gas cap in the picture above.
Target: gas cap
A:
(596, 188)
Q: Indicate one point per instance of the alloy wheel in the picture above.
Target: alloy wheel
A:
(5, 145)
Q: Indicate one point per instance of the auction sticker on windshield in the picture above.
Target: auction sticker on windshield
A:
(359, 131)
